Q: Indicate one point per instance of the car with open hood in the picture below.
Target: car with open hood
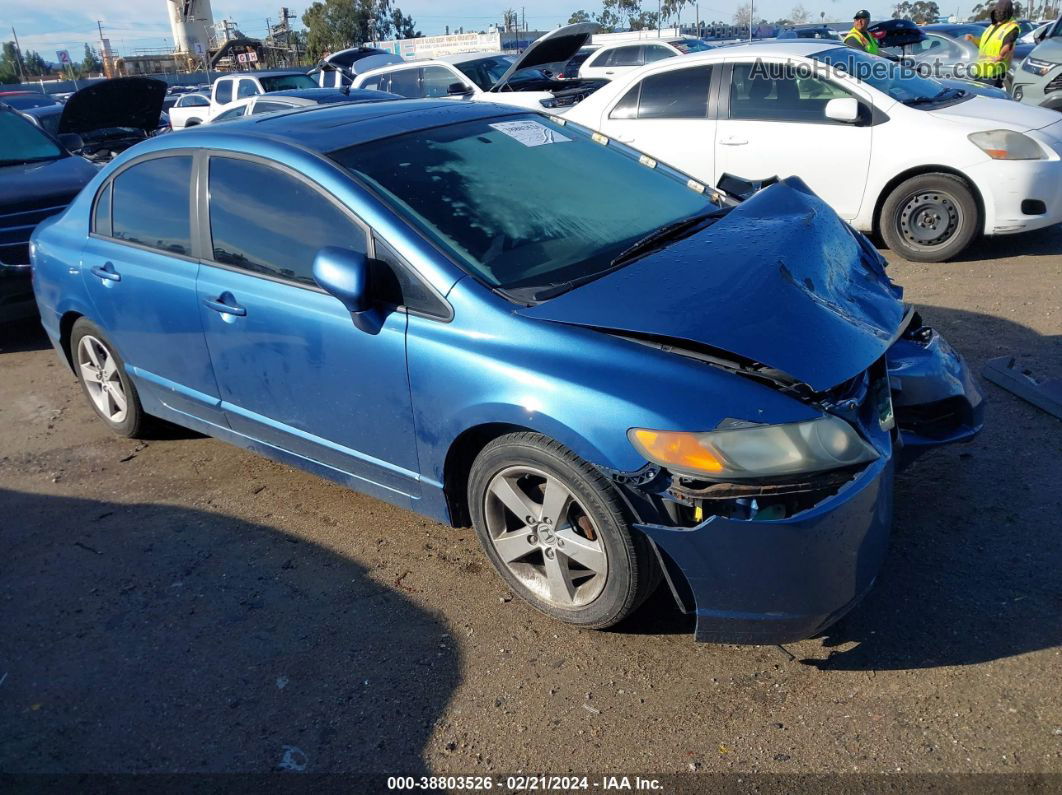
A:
(339, 69)
(532, 79)
(107, 117)
(38, 179)
(928, 165)
(617, 375)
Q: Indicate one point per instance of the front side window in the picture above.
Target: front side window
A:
(247, 88)
(266, 221)
(22, 142)
(377, 82)
(773, 92)
(192, 101)
(223, 91)
(436, 81)
(228, 115)
(263, 106)
(657, 52)
(150, 204)
(485, 72)
(517, 200)
(677, 94)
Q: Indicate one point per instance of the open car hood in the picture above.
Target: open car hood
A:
(132, 102)
(557, 45)
(779, 280)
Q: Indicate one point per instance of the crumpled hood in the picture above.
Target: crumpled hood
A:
(780, 280)
(133, 102)
(988, 113)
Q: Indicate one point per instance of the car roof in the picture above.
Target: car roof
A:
(800, 48)
(464, 57)
(325, 128)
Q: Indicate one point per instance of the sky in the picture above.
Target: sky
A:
(50, 25)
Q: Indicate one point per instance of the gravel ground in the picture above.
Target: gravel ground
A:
(181, 605)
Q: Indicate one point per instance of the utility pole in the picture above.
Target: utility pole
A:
(18, 57)
(659, 14)
(752, 15)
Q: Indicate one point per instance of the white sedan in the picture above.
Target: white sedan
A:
(925, 165)
(189, 110)
(296, 98)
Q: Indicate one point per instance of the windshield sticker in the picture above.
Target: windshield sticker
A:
(530, 133)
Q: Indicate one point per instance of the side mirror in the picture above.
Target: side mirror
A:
(458, 90)
(844, 109)
(344, 274)
(71, 142)
(1040, 35)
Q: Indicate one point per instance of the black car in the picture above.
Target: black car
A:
(38, 179)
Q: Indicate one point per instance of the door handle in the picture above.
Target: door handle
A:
(107, 272)
(732, 141)
(226, 304)
(625, 139)
(610, 72)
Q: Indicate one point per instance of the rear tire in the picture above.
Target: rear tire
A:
(555, 529)
(101, 371)
(929, 218)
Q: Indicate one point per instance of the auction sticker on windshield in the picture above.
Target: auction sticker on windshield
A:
(530, 133)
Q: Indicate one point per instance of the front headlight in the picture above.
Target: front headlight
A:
(756, 451)
(1037, 67)
(1007, 145)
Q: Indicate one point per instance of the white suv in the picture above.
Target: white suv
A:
(617, 58)
(241, 85)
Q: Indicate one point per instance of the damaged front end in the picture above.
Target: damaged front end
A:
(778, 559)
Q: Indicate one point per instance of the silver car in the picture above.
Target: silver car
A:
(1037, 80)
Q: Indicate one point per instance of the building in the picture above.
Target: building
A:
(434, 46)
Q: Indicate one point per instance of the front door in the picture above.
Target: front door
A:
(775, 125)
(293, 370)
(140, 274)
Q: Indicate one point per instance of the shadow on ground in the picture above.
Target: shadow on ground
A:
(973, 569)
(154, 638)
(26, 335)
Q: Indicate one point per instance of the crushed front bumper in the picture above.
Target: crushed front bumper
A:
(768, 581)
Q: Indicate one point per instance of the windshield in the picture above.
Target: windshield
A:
(485, 72)
(287, 82)
(521, 201)
(21, 142)
(886, 76)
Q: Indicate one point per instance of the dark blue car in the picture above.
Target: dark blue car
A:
(617, 374)
(38, 179)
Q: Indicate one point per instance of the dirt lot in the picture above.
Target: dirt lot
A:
(181, 605)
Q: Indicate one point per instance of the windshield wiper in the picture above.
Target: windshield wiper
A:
(927, 100)
(654, 240)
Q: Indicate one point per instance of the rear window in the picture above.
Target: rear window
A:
(286, 82)
(22, 142)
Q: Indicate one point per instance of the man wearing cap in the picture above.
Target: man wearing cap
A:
(858, 38)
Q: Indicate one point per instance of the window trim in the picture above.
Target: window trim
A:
(201, 216)
(715, 79)
(192, 236)
(873, 115)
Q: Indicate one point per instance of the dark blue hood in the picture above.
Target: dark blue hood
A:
(780, 280)
(31, 184)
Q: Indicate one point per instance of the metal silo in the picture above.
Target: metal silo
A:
(190, 22)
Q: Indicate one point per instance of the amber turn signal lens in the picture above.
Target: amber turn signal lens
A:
(676, 449)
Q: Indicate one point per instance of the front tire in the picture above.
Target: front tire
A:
(556, 531)
(929, 218)
(101, 372)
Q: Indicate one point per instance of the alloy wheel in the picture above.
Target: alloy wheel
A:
(544, 537)
(99, 372)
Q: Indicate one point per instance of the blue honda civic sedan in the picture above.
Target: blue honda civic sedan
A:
(618, 375)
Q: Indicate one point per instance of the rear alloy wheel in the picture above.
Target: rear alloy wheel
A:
(929, 218)
(555, 530)
(102, 375)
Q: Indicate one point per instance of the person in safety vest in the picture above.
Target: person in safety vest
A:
(858, 38)
(996, 46)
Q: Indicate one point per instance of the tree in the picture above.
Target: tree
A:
(404, 27)
(921, 12)
(577, 17)
(743, 16)
(333, 25)
(510, 20)
(799, 15)
(984, 11)
(91, 62)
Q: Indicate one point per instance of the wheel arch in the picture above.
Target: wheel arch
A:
(919, 171)
(458, 464)
(66, 330)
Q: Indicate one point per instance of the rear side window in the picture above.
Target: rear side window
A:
(657, 52)
(266, 221)
(269, 107)
(625, 56)
(101, 216)
(150, 204)
(436, 81)
(377, 83)
(677, 94)
(406, 82)
(223, 91)
(235, 113)
(192, 101)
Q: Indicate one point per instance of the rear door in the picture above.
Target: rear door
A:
(293, 370)
(772, 122)
(611, 63)
(668, 115)
(139, 267)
